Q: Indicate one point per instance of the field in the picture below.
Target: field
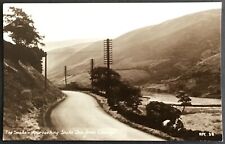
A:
(194, 118)
(207, 120)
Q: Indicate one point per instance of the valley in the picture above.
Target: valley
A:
(174, 53)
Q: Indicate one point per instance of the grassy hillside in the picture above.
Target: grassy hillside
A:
(151, 54)
(25, 100)
(60, 57)
(201, 80)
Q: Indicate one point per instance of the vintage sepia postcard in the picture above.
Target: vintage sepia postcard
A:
(112, 71)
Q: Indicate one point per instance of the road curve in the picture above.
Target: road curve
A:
(80, 117)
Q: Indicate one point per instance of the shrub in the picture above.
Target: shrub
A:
(128, 113)
(128, 94)
(74, 86)
(157, 112)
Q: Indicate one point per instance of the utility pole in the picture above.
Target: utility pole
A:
(45, 70)
(108, 61)
(65, 73)
(92, 67)
(108, 52)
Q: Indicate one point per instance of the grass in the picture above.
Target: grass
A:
(25, 100)
(203, 122)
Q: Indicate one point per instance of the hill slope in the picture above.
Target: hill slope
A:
(201, 80)
(25, 100)
(153, 53)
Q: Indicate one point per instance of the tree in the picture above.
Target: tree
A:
(130, 95)
(120, 91)
(99, 76)
(184, 99)
(21, 29)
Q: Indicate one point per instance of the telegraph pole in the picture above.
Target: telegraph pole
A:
(108, 61)
(65, 73)
(45, 70)
(92, 67)
(108, 52)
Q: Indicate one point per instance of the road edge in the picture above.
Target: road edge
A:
(46, 117)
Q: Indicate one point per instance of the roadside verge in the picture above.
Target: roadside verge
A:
(103, 103)
(46, 118)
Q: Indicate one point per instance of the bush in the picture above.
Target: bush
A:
(128, 113)
(128, 94)
(157, 112)
(75, 86)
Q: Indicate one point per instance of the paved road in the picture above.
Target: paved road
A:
(80, 117)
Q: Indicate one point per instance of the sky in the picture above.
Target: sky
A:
(66, 21)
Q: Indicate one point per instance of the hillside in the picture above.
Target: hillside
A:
(51, 45)
(25, 100)
(61, 57)
(153, 54)
(201, 80)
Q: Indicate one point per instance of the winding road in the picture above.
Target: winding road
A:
(79, 117)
